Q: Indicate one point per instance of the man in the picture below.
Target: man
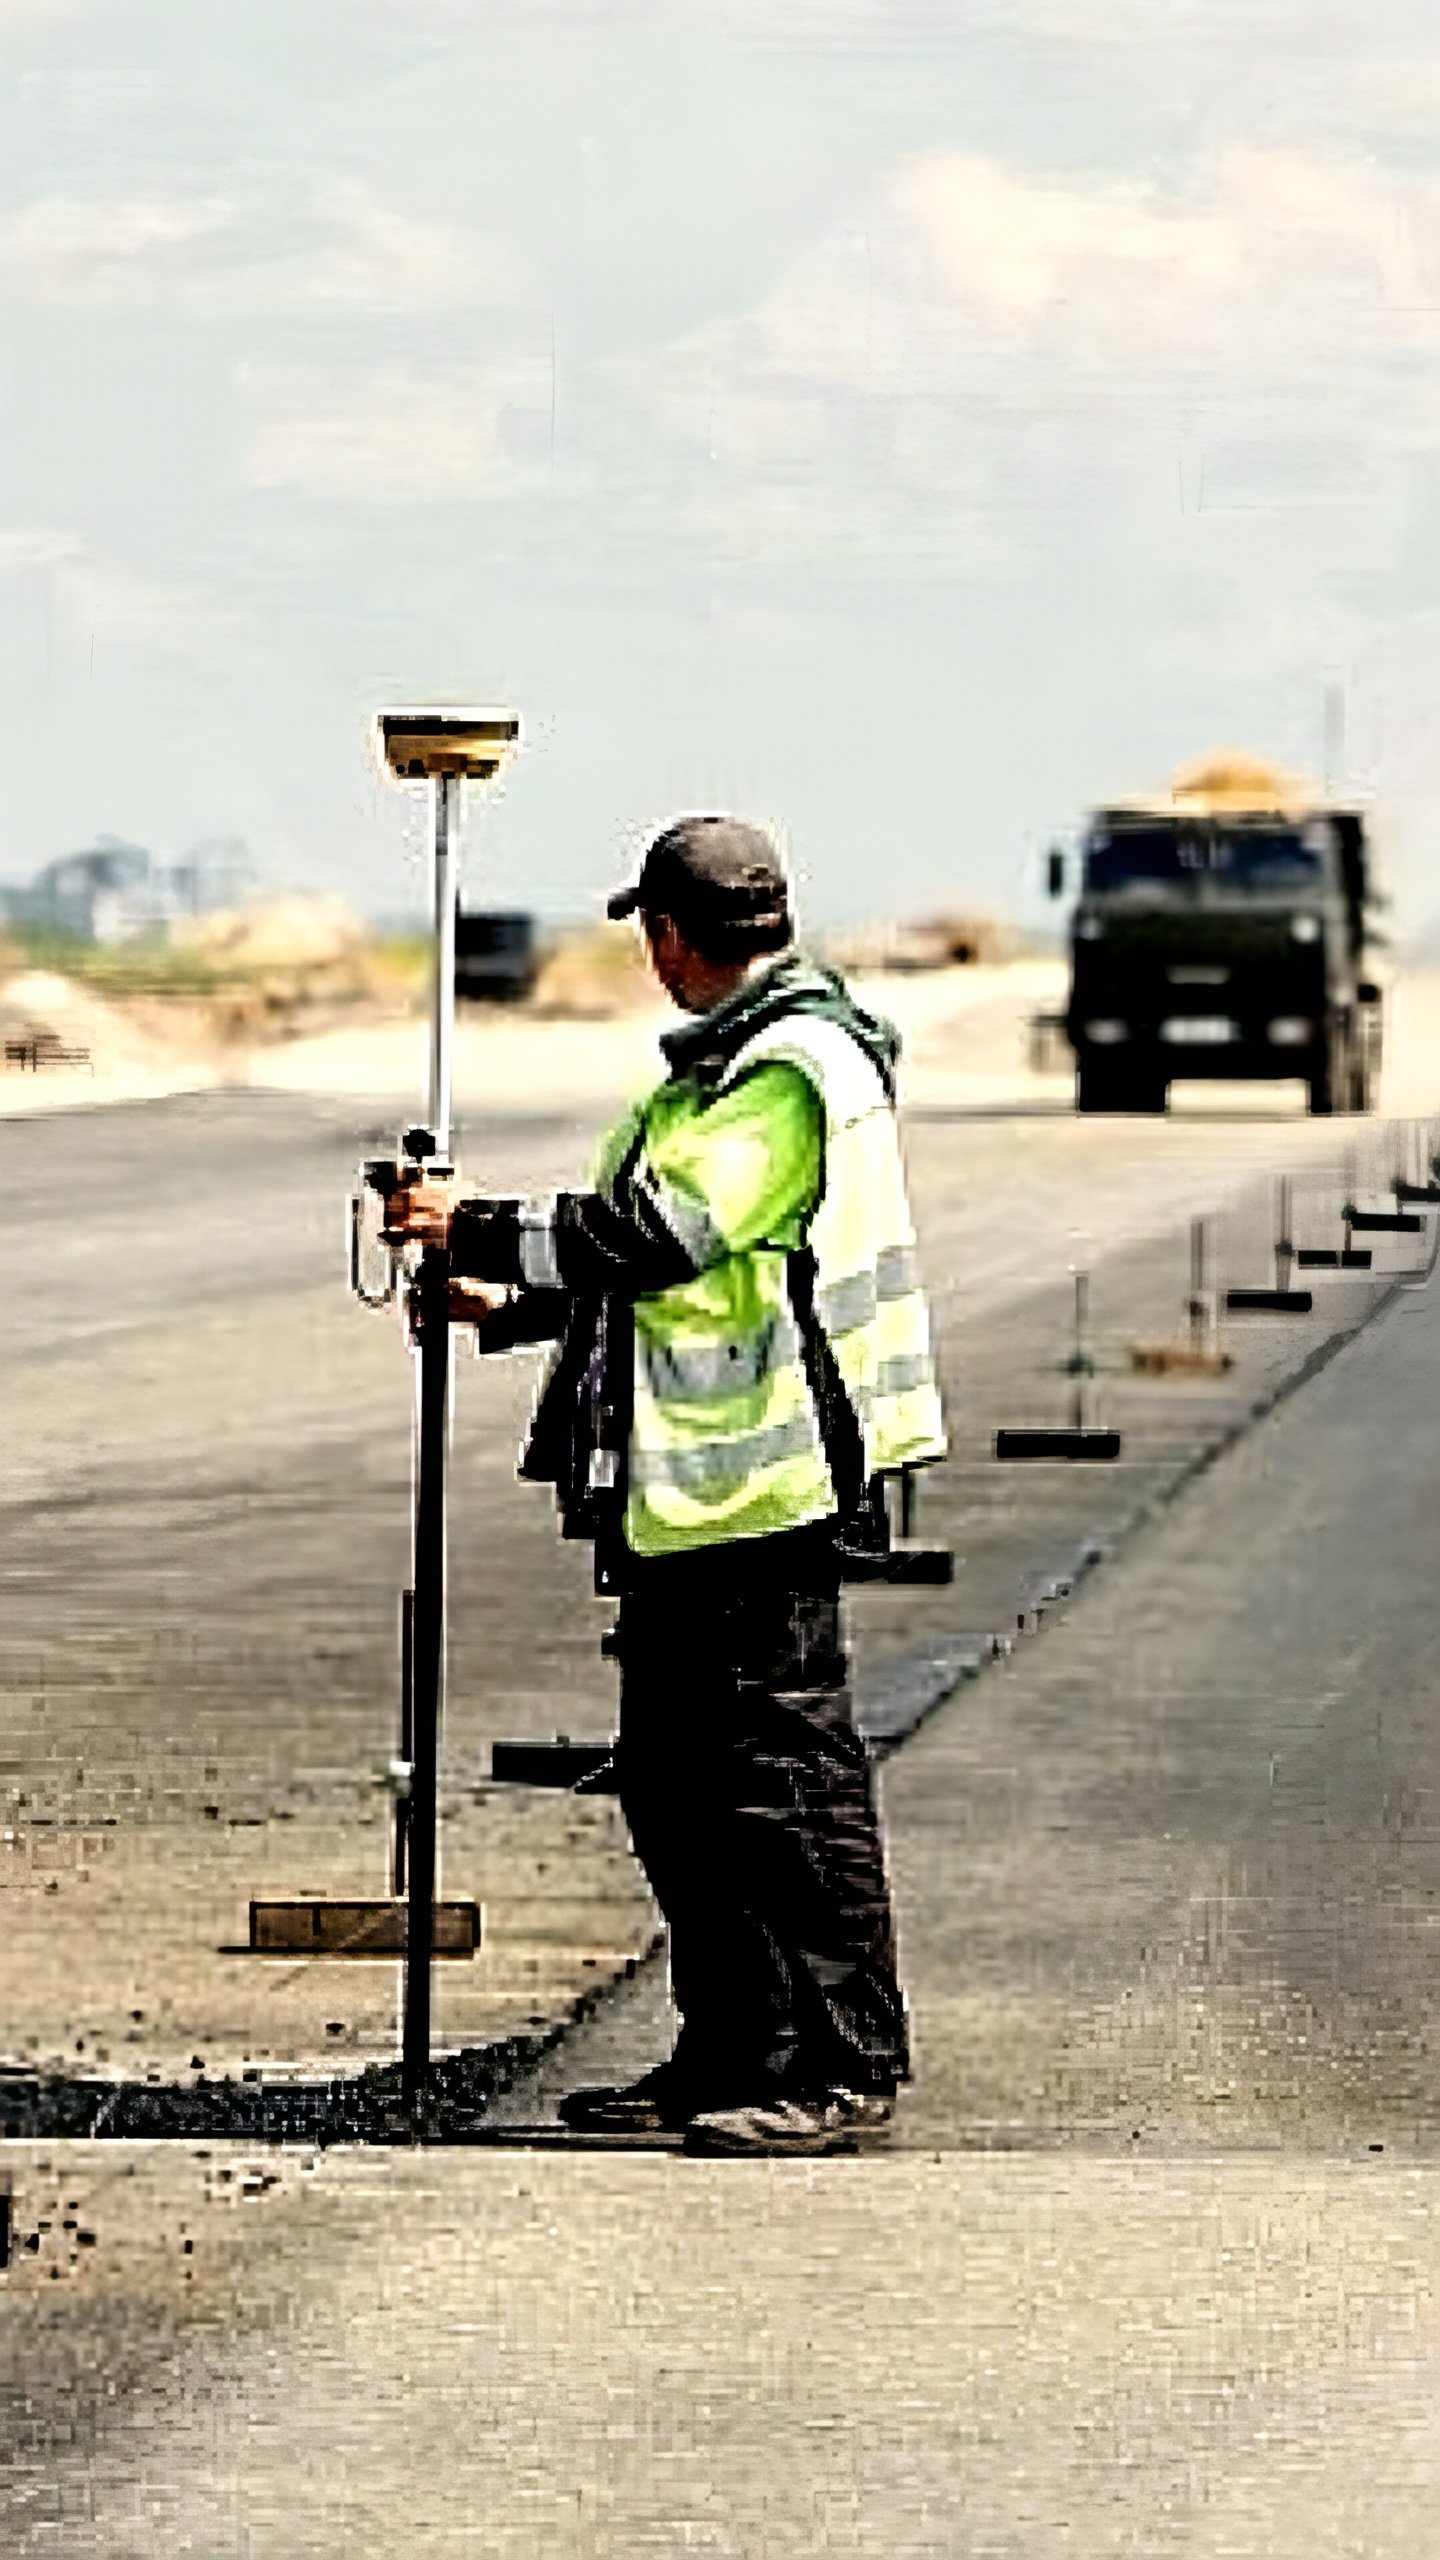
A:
(745, 1357)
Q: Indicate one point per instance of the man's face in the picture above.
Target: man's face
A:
(689, 977)
(668, 953)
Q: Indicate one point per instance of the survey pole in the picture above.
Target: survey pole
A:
(443, 749)
(445, 791)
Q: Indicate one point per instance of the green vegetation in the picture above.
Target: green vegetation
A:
(402, 960)
(394, 966)
(148, 966)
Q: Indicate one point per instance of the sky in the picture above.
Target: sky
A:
(905, 423)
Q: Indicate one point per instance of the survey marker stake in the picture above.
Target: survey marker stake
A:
(1082, 1442)
(1383, 1222)
(1281, 1300)
(1199, 1355)
(1409, 1184)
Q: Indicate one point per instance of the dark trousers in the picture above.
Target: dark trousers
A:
(750, 1803)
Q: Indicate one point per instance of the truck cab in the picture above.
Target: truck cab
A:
(496, 961)
(1223, 931)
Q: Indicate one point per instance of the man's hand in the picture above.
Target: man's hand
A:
(420, 1211)
(473, 1301)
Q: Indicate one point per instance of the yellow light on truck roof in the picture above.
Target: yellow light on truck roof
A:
(1237, 782)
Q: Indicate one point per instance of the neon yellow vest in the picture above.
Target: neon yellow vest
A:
(725, 1438)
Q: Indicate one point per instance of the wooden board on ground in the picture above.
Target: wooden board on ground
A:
(314, 1928)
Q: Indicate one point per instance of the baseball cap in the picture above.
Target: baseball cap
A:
(717, 872)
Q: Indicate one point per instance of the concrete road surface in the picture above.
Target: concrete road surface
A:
(1150, 2267)
(1150, 2264)
(206, 1501)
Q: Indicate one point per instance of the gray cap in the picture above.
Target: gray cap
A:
(710, 871)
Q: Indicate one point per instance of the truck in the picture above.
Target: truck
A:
(496, 960)
(1224, 929)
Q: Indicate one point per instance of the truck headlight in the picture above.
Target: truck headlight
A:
(1104, 1034)
(1291, 1031)
(1305, 928)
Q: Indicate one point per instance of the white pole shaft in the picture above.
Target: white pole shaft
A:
(442, 1022)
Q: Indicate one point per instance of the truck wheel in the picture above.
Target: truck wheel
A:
(1329, 1082)
(1100, 1089)
(1109, 1089)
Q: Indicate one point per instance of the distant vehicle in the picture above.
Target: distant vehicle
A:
(496, 961)
(1224, 930)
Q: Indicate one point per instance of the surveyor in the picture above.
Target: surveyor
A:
(743, 1359)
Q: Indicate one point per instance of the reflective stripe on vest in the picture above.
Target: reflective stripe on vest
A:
(691, 1373)
(843, 1304)
(722, 1466)
(867, 1286)
(724, 1441)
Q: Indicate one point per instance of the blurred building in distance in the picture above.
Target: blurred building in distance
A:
(116, 892)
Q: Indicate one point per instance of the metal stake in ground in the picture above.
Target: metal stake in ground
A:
(1200, 1356)
(1081, 1364)
(1284, 1240)
(1201, 1307)
(1281, 1300)
(1081, 1441)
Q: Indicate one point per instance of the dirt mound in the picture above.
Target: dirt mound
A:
(39, 1005)
(929, 942)
(594, 976)
(314, 934)
(276, 968)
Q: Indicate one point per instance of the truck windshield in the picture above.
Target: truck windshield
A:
(1244, 853)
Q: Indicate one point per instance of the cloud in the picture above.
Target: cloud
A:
(99, 593)
(972, 292)
(23, 13)
(26, 548)
(354, 253)
(393, 439)
(1007, 249)
(339, 249)
(64, 250)
(986, 366)
(1399, 96)
(963, 253)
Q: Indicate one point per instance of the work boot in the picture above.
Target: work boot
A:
(660, 2102)
(865, 2109)
(804, 2127)
(807, 2126)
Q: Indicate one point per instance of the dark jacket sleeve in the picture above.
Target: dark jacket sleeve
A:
(591, 1244)
(746, 1169)
(536, 1315)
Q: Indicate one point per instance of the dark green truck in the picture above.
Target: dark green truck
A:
(1224, 931)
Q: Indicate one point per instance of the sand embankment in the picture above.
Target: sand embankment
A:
(108, 1051)
(513, 1058)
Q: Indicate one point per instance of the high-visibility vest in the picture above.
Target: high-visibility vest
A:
(726, 1438)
